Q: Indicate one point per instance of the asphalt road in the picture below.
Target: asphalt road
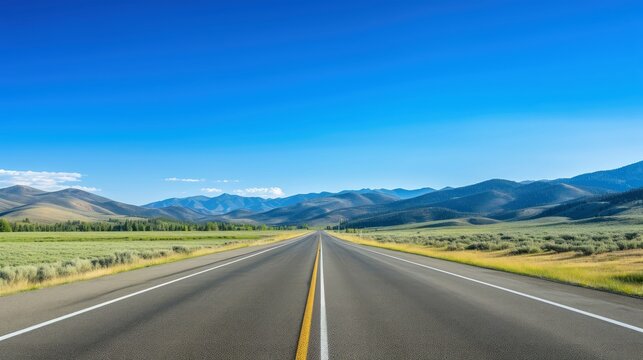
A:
(367, 303)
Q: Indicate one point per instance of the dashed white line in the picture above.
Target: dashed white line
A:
(569, 308)
(103, 304)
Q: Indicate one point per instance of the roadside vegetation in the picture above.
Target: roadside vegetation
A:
(606, 256)
(31, 260)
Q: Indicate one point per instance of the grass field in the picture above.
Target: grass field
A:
(606, 256)
(33, 260)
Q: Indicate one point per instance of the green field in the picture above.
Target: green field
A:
(31, 259)
(600, 254)
(35, 248)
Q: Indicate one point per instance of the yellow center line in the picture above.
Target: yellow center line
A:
(304, 334)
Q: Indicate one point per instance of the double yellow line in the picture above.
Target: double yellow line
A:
(304, 334)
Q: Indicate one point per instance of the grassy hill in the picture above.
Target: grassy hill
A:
(20, 202)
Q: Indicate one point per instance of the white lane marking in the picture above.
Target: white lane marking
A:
(572, 309)
(103, 304)
(323, 329)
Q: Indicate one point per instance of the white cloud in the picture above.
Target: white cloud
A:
(211, 190)
(44, 180)
(264, 192)
(175, 179)
(85, 188)
(226, 181)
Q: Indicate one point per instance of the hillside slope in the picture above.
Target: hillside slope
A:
(629, 202)
(622, 179)
(307, 211)
(20, 202)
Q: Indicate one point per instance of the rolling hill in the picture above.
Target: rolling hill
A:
(417, 215)
(314, 211)
(622, 179)
(20, 202)
(629, 202)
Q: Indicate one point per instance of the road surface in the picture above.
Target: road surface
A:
(366, 303)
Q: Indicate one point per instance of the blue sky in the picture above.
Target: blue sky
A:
(121, 96)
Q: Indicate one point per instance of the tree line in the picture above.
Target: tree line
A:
(133, 225)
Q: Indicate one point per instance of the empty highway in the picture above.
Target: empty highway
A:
(364, 303)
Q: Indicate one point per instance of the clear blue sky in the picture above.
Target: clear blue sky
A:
(306, 97)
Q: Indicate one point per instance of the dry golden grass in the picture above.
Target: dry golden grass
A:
(617, 271)
(20, 286)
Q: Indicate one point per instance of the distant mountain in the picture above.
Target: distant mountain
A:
(221, 204)
(629, 202)
(398, 193)
(622, 179)
(226, 203)
(492, 198)
(20, 202)
(311, 211)
(448, 194)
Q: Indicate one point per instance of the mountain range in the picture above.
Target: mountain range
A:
(600, 193)
(226, 203)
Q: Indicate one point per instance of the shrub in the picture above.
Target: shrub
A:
(559, 248)
(7, 274)
(46, 272)
(152, 254)
(478, 246)
(631, 235)
(125, 257)
(525, 249)
(180, 249)
(454, 247)
(26, 273)
(500, 246)
(585, 249)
